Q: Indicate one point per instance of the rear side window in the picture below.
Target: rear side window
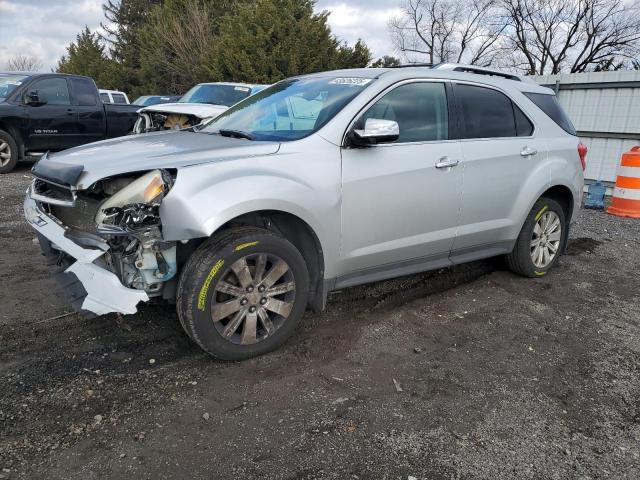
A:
(419, 108)
(84, 91)
(118, 98)
(524, 127)
(105, 97)
(488, 113)
(549, 104)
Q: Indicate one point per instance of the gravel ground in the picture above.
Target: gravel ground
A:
(464, 373)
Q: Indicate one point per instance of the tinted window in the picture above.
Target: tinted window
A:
(419, 108)
(549, 104)
(118, 98)
(52, 90)
(487, 113)
(105, 98)
(524, 127)
(84, 91)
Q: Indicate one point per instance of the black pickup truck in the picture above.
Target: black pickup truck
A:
(42, 112)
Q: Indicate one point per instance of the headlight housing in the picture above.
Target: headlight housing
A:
(136, 202)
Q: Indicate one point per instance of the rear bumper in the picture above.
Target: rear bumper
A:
(92, 288)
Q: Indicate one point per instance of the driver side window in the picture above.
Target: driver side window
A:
(52, 90)
(419, 108)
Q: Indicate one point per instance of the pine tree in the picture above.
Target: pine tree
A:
(268, 40)
(86, 56)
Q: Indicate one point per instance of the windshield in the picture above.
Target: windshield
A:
(8, 83)
(289, 110)
(225, 95)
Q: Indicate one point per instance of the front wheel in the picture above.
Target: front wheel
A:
(242, 293)
(8, 152)
(541, 240)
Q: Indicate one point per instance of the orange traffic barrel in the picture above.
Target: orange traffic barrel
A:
(626, 195)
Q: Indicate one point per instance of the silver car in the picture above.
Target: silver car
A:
(317, 183)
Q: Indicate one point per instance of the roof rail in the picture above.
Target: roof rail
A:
(457, 67)
(410, 65)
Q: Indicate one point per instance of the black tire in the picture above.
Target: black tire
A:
(210, 265)
(520, 259)
(12, 148)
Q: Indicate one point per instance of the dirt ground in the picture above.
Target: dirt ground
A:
(501, 377)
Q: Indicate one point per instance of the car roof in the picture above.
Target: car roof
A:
(448, 71)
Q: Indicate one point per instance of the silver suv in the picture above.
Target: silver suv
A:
(317, 183)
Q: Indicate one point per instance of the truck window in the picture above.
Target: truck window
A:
(84, 91)
(119, 98)
(54, 90)
(105, 98)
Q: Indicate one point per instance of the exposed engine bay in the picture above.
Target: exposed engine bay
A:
(157, 122)
(121, 216)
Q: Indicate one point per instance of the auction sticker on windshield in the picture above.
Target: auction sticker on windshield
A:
(350, 81)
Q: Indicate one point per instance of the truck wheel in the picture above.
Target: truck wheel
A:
(541, 240)
(242, 293)
(8, 152)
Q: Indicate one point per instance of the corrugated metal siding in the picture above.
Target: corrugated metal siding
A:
(599, 111)
(615, 110)
(604, 157)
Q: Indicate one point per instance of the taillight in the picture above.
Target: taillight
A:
(582, 153)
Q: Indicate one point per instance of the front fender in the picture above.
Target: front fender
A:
(205, 197)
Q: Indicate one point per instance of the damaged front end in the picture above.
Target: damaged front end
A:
(151, 121)
(108, 237)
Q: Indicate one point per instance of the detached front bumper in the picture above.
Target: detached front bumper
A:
(92, 288)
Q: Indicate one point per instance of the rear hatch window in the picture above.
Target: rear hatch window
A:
(549, 104)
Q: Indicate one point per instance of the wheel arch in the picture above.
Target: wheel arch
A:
(564, 196)
(295, 230)
(15, 134)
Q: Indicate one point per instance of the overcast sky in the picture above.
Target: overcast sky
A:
(45, 27)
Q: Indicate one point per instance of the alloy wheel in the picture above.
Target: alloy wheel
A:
(253, 298)
(5, 153)
(545, 241)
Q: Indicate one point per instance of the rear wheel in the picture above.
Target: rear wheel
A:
(243, 293)
(541, 240)
(8, 152)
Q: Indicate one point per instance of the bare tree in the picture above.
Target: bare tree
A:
(24, 63)
(449, 30)
(551, 36)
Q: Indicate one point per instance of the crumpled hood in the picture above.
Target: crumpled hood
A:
(135, 153)
(200, 110)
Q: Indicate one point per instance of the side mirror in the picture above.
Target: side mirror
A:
(376, 131)
(34, 98)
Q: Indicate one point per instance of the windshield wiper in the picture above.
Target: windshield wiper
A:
(235, 134)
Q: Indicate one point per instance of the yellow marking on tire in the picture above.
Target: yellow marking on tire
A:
(202, 297)
(544, 209)
(242, 246)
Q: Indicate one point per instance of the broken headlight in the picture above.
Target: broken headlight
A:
(136, 205)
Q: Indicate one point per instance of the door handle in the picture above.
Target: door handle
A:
(528, 152)
(446, 162)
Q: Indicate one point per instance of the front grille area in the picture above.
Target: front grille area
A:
(50, 193)
(81, 216)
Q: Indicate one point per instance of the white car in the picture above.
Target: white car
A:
(203, 102)
(114, 96)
